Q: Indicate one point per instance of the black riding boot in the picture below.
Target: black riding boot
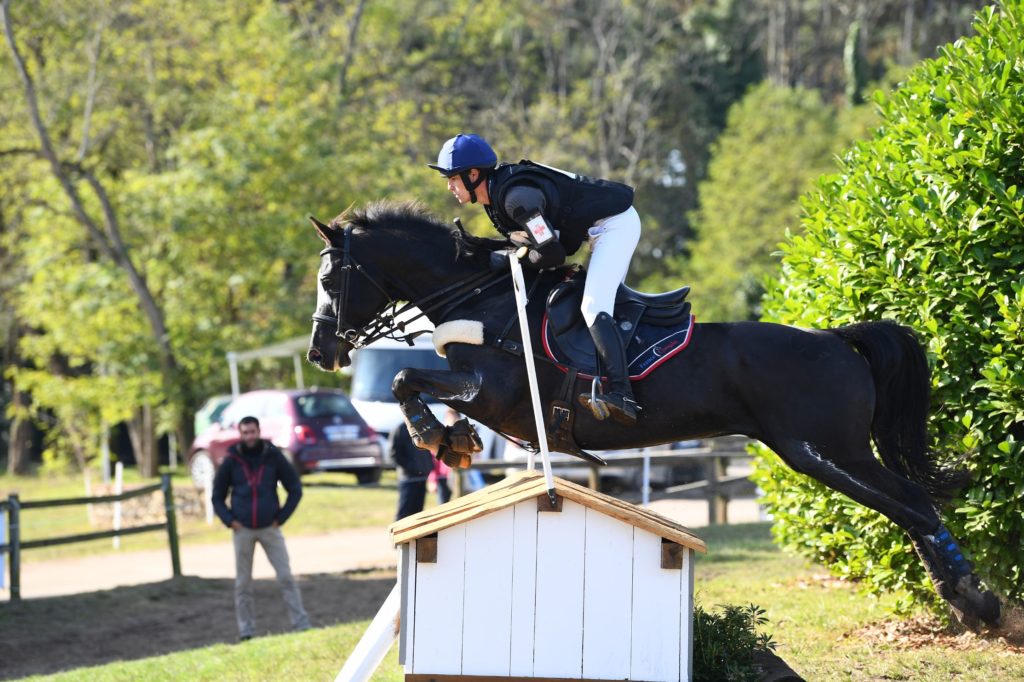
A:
(618, 402)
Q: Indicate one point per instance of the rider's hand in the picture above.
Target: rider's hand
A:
(235, 525)
(522, 252)
(520, 237)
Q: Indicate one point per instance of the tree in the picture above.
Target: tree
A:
(924, 224)
(776, 142)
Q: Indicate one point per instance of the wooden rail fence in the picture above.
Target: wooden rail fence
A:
(14, 506)
(717, 488)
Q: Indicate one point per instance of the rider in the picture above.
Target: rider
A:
(552, 212)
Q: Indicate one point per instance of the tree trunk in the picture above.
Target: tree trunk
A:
(141, 433)
(19, 448)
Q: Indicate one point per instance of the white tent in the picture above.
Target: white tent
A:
(295, 348)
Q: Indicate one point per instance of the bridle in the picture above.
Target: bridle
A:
(386, 324)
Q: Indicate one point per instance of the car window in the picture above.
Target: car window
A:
(375, 368)
(243, 406)
(324, 405)
(274, 405)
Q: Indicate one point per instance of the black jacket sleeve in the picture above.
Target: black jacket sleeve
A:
(219, 494)
(290, 480)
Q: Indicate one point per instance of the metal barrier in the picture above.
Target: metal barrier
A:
(13, 506)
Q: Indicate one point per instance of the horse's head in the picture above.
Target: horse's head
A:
(383, 254)
(347, 299)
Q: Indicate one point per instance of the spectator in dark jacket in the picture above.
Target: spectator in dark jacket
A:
(251, 471)
(413, 465)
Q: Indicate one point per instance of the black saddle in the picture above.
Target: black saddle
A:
(653, 327)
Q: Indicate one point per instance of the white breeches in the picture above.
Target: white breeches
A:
(612, 242)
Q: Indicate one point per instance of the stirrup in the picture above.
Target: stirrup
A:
(603, 405)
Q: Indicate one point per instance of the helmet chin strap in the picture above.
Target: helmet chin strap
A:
(470, 185)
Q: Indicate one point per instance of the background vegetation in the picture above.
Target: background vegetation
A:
(924, 224)
(157, 162)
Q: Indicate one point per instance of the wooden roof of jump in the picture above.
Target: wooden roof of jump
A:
(525, 485)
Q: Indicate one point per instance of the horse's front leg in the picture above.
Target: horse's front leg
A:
(454, 444)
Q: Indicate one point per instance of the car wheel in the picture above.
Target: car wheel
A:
(201, 469)
(368, 476)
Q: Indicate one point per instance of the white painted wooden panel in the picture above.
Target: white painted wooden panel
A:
(686, 610)
(524, 588)
(406, 573)
(437, 648)
(487, 611)
(656, 617)
(607, 602)
(558, 649)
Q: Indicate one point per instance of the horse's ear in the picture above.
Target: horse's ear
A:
(323, 230)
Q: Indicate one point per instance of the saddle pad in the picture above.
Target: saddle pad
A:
(649, 347)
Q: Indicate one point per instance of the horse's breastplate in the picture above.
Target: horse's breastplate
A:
(653, 327)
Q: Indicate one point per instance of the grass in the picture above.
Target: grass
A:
(815, 621)
(330, 501)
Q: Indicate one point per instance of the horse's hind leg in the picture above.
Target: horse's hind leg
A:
(884, 496)
(908, 505)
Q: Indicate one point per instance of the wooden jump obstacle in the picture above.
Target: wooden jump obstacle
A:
(497, 585)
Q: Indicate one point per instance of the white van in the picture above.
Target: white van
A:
(374, 368)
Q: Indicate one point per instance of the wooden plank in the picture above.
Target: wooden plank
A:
(524, 588)
(672, 554)
(531, 484)
(487, 678)
(558, 632)
(405, 585)
(426, 549)
(437, 645)
(99, 535)
(487, 610)
(99, 499)
(656, 619)
(608, 596)
(686, 624)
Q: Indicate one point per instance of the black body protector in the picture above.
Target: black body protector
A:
(555, 209)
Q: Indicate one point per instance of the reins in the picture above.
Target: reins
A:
(386, 323)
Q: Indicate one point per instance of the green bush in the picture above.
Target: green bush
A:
(924, 225)
(724, 643)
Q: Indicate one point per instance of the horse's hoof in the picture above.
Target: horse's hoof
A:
(983, 604)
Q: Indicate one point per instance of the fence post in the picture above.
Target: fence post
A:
(172, 524)
(14, 530)
(718, 504)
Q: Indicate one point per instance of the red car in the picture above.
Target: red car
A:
(318, 430)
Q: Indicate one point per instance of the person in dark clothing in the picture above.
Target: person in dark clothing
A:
(550, 213)
(413, 465)
(251, 472)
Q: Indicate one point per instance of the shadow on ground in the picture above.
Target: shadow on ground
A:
(39, 636)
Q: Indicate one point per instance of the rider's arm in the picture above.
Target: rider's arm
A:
(526, 205)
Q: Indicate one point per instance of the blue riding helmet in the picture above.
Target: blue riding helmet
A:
(463, 152)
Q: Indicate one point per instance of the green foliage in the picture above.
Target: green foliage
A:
(925, 225)
(215, 128)
(724, 643)
(776, 142)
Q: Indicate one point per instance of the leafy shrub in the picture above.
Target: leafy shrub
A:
(724, 643)
(925, 225)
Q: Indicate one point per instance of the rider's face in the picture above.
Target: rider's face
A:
(458, 188)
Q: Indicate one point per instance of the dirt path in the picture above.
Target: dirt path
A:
(356, 548)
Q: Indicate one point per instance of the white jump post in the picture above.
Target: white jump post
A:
(375, 642)
(519, 285)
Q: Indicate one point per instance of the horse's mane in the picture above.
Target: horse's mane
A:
(413, 218)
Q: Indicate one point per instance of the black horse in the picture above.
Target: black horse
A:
(816, 397)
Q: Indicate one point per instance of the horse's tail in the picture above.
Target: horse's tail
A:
(899, 426)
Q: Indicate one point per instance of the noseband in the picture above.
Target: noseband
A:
(386, 323)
